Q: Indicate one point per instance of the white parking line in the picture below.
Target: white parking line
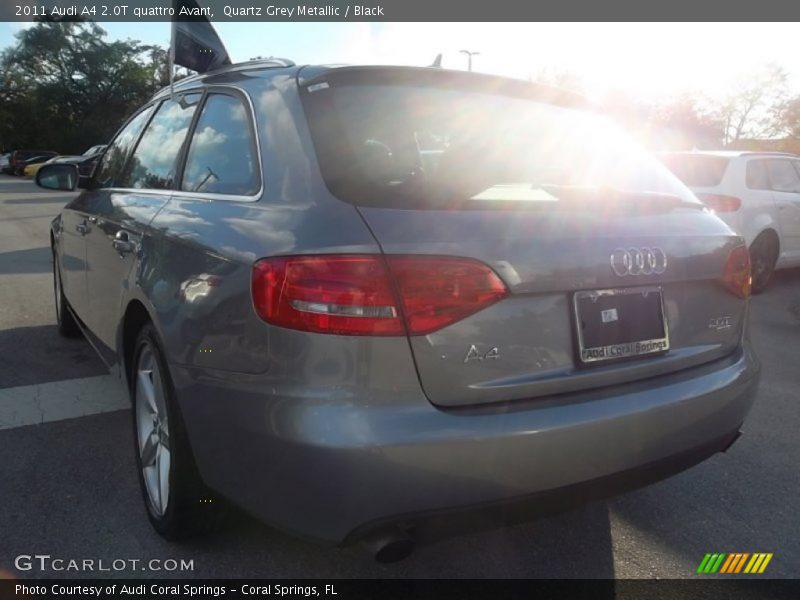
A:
(59, 400)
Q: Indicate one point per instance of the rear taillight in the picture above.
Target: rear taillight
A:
(437, 291)
(356, 295)
(737, 276)
(721, 203)
(347, 295)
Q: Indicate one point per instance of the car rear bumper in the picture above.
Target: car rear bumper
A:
(537, 504)
(334, 469)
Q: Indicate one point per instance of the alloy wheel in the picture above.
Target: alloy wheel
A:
(152, 428)
(57, 288)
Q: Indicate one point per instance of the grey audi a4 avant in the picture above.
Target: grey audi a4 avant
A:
(348, 299)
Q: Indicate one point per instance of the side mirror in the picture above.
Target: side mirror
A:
(58, 176)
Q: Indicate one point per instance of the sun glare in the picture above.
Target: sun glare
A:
(647, 61)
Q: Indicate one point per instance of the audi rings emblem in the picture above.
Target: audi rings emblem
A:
(638, 261)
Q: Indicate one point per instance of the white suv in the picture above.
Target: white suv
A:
(757, 194)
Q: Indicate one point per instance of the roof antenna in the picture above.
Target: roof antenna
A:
(437, 62)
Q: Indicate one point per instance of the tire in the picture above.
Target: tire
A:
(178, 504)
(67, 326)
(763, 256)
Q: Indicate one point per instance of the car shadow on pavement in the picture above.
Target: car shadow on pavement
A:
(38, 354)
(69, 471)
(573, 544)
(785, 278)
(786, 282)
(33, 260)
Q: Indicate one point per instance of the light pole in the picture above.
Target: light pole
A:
(469, 57)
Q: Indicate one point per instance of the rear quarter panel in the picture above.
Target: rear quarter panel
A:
(196, 272)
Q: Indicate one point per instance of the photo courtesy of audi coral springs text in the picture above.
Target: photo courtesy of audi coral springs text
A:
(350, 299)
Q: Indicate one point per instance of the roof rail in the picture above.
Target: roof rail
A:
(271, 61)
(264, 63)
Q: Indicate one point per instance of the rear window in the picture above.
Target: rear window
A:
(401, 145)
(697, 170)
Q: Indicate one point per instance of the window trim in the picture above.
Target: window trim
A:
(244, 97)
(174, 192)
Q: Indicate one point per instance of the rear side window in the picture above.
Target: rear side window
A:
(783, 176)
(154, 162)
(110, 169)
(697, 170)
(757, 177)
(222, 153)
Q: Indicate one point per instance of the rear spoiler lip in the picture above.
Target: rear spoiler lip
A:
(446, 78)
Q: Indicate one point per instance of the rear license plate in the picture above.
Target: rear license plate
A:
(620, 323)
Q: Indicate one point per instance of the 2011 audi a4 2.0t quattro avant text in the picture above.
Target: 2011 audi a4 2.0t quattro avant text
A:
(347, 299)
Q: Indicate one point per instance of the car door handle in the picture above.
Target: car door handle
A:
(123, 244)
(82, 228)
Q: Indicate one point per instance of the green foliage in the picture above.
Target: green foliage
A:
(677, 123)
(65, 88)
(789, 118)
(683, 124)
(758, 112)
(752, 108)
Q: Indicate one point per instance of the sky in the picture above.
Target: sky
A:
(648, 61)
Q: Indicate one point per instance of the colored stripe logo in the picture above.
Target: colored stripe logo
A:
(735, 562)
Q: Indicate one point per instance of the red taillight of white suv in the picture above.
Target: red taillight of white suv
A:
(372, 294)
(737, 276)
(721, 203)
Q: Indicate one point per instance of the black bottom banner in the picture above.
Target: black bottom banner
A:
(405, 589)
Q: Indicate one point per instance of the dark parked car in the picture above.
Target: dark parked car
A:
(347, 299)
(86, 162)
(22, 158)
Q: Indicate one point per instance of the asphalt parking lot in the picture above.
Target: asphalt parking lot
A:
(68, 486)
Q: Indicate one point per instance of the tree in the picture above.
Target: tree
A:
(66, 88)
(789, 118)
(681, 124)
(752, 109)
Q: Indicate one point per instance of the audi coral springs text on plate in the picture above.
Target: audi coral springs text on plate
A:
(629, 338)
(351, 299)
